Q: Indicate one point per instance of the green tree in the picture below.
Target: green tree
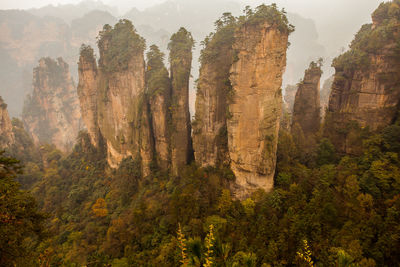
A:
(21, 224)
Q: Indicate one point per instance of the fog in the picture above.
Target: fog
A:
(324, 28)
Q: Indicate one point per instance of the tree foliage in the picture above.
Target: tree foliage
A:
(119, 45)
(21, 223)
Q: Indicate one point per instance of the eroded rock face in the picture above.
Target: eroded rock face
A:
(239, 98)
(210, 139)
(367, 97)
(365, 90)
(306, 110)
(119, 102)
(159, 109)
(113, 98)
(253, 122)
(324, 94)
(6, 130)
(180, 47)
(87, 92)
(159, 98)
(146, 143)
(51, 113)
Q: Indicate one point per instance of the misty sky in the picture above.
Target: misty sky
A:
(330, 16)
(312, 8)
(122, 4)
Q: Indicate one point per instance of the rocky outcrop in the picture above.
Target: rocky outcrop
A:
(113, 97)
(6, 129)
(51, 113)
(253, 122)
(180, 56)
(136, 111)
(210, 140)
(324, 94)
(87, 92)
(146, 138)
(121, 89)
(306, 110)
(365, 90)
(239, 99)
(159, 97)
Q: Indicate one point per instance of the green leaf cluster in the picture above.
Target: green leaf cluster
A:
(118, 46)
(157, 76)
(269, 14)
(372, 38)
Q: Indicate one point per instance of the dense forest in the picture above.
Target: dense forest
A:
(327, 208)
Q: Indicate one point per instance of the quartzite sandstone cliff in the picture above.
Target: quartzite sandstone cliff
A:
(145, 113)
(159, 97)
(87, 92)
(306, 109)
(324, 95)
(121, 89)
(180, 56)
(51, 113)
(112, 95)
(238, 108)
(366, 88)
(210, 141)
(135, 111)
(253, 125)
(6, 131)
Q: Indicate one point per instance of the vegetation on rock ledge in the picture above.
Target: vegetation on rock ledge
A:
(118, 45)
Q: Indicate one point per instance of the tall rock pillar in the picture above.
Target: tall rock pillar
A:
(180, 48)
(306, 109)
(254, 113)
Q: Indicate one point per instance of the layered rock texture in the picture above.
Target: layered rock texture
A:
(159, 101)
(210, 140)
(51, 113)
(253, 124)
(112, 94)
(246, 99)
(87, 92)
(324, 94)
(306, 110)
(134, 110)
(366, 88)
(180, 56)
(142, 110)
(6, 128)
(121, 89)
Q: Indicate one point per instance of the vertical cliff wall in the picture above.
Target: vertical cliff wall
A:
(159, 98)
(51, 113)
(324, 94)
(366, 87)
(253, 124)
(239, 98)
(87, 92)
(6, 131)
(121, 89)
(180, 56)
(306, 109)
(113, 96)
(210, 140)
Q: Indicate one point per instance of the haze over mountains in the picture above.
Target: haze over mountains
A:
(277, 164)
(59, 30)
